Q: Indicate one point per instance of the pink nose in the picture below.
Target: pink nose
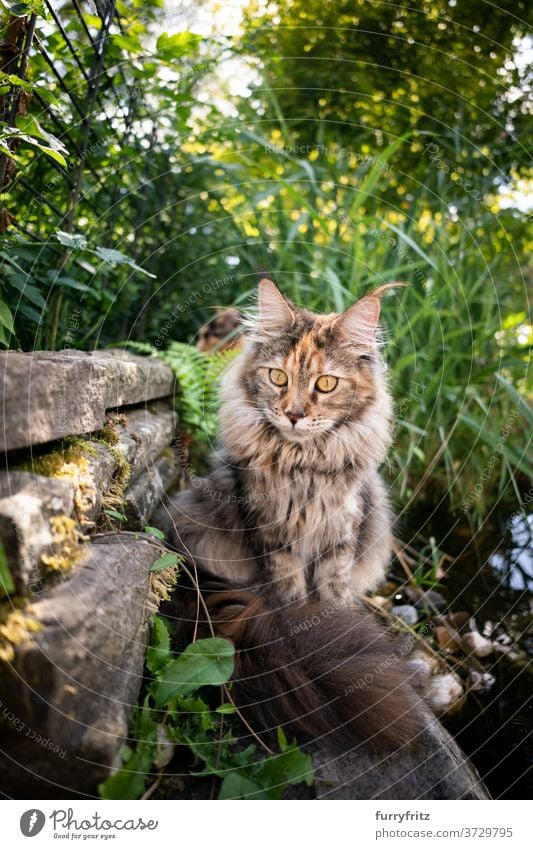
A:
(294, 415)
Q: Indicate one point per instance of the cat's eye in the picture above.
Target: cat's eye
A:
(278, 377)
(326, 383)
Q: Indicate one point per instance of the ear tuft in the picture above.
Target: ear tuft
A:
(275, 311)
(359, 323)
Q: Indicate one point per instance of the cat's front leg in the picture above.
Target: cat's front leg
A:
(286, 575)
(333, 573)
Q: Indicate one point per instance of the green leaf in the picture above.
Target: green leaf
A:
(6, 317)
(127, 43)
(154, 532)
(7, 586)
(12, 80)
(31, 293)
(236, 786)
(519, 400)
(29, 124)
(111, 256)
(53, 154)
(158, 653)
(129, 781)
(165, 562)
(205, 662)
(20, 10)
(114, 514)
(178, 45)
(226, 708)
(72, 240)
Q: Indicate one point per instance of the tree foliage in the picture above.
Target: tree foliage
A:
(365, 73)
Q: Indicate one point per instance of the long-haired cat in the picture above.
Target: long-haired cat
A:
(295, 502)
(294, 523)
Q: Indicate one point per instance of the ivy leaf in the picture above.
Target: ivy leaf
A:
(165, 562)
(202, 663)
(13, 80)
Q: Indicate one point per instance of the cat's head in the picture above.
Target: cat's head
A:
(308, 374)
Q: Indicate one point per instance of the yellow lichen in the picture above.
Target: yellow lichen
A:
(16, 626)
(68, 544)
(70, 462)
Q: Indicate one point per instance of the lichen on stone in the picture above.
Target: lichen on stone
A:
(16, 627)
(68, 545)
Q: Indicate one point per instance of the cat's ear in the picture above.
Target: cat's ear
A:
(275, 311)
(359, 323)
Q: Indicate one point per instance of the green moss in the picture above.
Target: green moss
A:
(162, 583)
(109, 434)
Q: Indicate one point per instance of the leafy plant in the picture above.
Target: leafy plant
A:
(178, 711)
(197, 376)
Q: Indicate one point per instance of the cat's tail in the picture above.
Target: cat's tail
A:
(318, 670)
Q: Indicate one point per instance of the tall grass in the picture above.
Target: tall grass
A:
(329, 232)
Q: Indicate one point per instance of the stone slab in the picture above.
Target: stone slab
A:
(46, 395)
(68, 695)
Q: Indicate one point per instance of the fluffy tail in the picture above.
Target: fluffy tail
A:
(318, 670)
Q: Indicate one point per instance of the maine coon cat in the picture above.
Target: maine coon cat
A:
(292, 524)
(295, 504)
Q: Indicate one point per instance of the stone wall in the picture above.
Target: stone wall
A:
(87, 454)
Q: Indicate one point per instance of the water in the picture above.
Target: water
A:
(492, 578)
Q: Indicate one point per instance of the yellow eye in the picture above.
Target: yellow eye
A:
(326, 383)
(278, 377)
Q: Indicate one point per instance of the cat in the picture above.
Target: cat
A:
(293, 525)
(295, 503)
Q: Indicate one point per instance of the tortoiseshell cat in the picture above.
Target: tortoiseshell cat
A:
(295, 504)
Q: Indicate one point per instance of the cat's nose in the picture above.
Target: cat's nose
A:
(295, 414)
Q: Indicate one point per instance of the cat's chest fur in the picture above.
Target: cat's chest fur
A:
(303, 509)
